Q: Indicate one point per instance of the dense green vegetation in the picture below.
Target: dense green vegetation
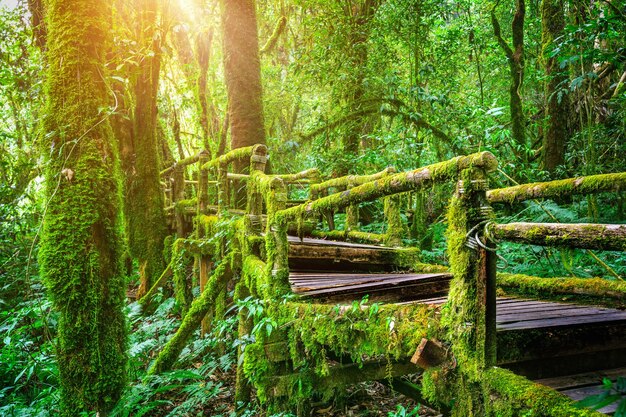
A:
(96, 98)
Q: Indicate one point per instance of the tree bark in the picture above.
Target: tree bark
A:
(557, 104)
(357, 55)
(242, 70)
(145, 219)
(81, 244)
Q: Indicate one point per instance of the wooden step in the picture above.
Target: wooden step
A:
(540, 339)
(337, 287)
(329, 255)
(582, 385)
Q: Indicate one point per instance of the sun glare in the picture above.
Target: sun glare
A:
(189, 8)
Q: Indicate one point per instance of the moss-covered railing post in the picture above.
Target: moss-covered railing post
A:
(203, 260)
(396, 229)
(258, 160)
(469, 317)
(178, 193)
(352, 211)
(223, 191)
(276, 244)
(253, 226)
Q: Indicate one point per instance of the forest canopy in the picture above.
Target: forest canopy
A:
(114, 114)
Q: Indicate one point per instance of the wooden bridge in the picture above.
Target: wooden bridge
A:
(326, 307)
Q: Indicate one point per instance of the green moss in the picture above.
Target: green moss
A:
(238, 154)
(181, 258)
(596, 291)
(182, 206)
(167, 247)
(396, 228)
(274, 194)
(312, 173)
(355, 236)
(198, 310)
(182, 163)
(512, 395)
(393, 184)
(559, 188)
(253, 274)
(582, 235)
(313, 331)
(463, 317)
(350, 180)
(81, 247)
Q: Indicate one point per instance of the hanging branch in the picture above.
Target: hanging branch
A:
(273, 39)
(408, 118)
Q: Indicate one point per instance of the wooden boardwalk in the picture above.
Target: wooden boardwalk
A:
(557, 344)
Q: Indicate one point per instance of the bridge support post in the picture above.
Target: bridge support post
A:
(178, 193)
(469, 319)
(352, 212)
(474, 262)
(204, 261)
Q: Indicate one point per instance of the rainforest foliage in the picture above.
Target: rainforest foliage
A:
(97, 98)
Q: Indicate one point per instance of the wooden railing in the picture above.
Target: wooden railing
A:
(468, 321)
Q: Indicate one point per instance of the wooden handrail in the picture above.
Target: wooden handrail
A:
(571, 186)
(352, 180)
(580, 235)
(310, 174)
(394, 184)
(232, 156)
(183, 162)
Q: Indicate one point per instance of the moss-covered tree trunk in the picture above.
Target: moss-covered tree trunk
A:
(145, 219)
(557, 105)
(81, 244)
(242, 69)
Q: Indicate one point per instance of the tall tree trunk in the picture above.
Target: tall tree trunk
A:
(557, 105)
(145, 220)
(515, 56)
(357, 55)
(242, 69)
(81, 245)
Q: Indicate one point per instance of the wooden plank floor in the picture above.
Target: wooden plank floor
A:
(583, 385)
(307, 241)
(512, 313)
(329, 255)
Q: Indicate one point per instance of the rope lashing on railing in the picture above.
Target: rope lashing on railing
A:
(474, 242)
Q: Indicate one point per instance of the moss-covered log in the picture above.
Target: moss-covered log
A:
(559, 188)
(581, 235)
(394, 184)
(199, 308)
(81, 244)
(595, 291)
(396, 228)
